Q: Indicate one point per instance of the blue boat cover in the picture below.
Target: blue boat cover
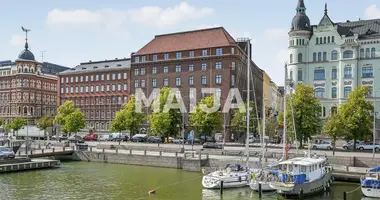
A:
(367, 182)
(298, 179)
(376, 169)
(284, 176)
(275, 172)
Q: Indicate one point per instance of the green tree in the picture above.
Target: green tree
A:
(45, 122)
(307, 114)
(2, 122)
(118, 124)
(239, 119)
(280, 118)
(271, 127)
(206, 123)
(75, 121)
(17, 124)
(63, 111)
(165, 123)
(334, 128)
(356, 113)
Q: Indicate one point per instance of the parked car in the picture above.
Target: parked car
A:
(139, 138)
(106, 138)
(121, 138)
(207, 139)
(350, 145)
(154, 139)
(91, 137)
(178, 141)
(6, 152)
(59, 137)
(212, 145)
(76, 139)
(368, 146)
(193, 141)
(323, 145)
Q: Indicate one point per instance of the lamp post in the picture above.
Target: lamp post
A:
(374, 122)
(27, 135)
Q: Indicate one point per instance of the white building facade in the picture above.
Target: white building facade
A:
(334, 58)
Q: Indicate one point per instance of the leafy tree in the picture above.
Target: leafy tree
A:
(75, 121)
(206, 123)
(63, 111)
(165, 123)
(239, 120)
(356, 113)
(17, 124)
(334, 128)
(45, 122)
(307, 113)
(280, 118)
(2, 122)
(118, 123)
(271, 127)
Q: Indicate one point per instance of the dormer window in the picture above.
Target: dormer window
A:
(118, 65)
(83, 68)
(95, 67)
(72, 69)
(106, 66)
(370, 32)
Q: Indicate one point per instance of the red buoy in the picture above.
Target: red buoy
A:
(152, 192)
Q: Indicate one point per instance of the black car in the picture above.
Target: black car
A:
(138, 139)
(154, 139)
(212, 145)
(121, 138)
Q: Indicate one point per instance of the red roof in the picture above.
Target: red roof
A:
(181, 41)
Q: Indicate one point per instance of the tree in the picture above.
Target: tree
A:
(165, 123)
(63, 111)
(307, 113)
(45, 122)
(2, 122)
(271, 127)
(128, 118)
(70, 119)
(280, 118)
(239, 120)
(334, 128)
(17, 124)
(356, 113)
(206, 123)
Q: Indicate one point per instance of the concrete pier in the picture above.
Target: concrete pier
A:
(22, 164)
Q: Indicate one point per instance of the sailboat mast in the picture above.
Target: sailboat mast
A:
(284, 133)
(248, 100)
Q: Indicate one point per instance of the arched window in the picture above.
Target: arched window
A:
(314, 57)
(291, 75)
(291, 58)
(324, 40)
(361, 53)
(323, 111)
(333, 92)
(300, 57)
(373, 52)
(324, 56)
(367, 53)
(369, 91)
(332, 39)
(320, 40)
(348, 54)
(316, 41)
(347, 91)
(25, 110)
(334, 110)
(334, 55)
(319, 93)
(319, 56)
(19, 110)
(328, 39)
(26, 70)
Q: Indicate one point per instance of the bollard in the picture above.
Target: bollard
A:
(200, 156)
(64, 148)
(31, 152)
(160, 153)
(347, 168)
(192, 155)
(19, 153)
(119, 142)
(260, 191)
(103, 150)
(176, 154)
(117, 150)
(221, 187)
(184, 155)
(43, 151)
(344, 195)
(53, 150)
(90, 149)
(301, 193)
(144, 152)
(130, 151)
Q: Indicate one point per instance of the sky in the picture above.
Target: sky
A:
(70, 32)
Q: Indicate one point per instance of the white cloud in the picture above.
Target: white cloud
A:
(372, 12)
(165, 17)
(17, 40)
(276, 34)
(73, 17)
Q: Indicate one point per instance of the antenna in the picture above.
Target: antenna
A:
(42, 55)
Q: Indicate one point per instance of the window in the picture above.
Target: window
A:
(204, 66)
(370, 91)
(291, 58)
(328, 39)
(218, 79)
(204, 52)
(92, 77)
(191, 68)
(334, 55)
(316, 41)
(219, 51)
(323, 111)
(319, 56)
(233, 66)
(334, 110)
(108, 88)
(125, 87)
(72, 79)
(143, 58)
(81, 78)
(367, 53)
(137, 59)
(76, 79)
(92, 88)
(81, 89)
(97, 88)
(136, 84)
(114, 76)
(314, 57)
(102, 77)
(218, 65)
(178, 55)
(373, 52)
(334, 74)
(324, 56)
(333, 92)
(348, 54)
(178, 95)
(178, 81)
(191, 80)
(191, 93)
(142, 83)
(125, 75)
(204, 80)
(191, 54)
(348, 72)
(108, 77)
(361, 53)
(125, 99)
(154, 57)
(62, 90)
(142, 71)
(300, 57)
(166, 69)
(114, 86)
(119, 87)
(319, 74)
(154, 82)
(332, 39)
(166, 56)
(71, 89)
(299, 74)
(119, 75)
(136, 72)
(218, 93)
(319, 93)
(76, 89)
(324, 40)
(291, 75)
(367, 72)
(232, 50)
(62, 80)
(320, 40)
(166, 82)
(178, 68)
(347, 91)
(86, 88)
(233, 80)
(154, 70)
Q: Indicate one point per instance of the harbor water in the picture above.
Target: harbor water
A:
(82, 180)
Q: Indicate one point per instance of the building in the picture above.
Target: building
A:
(334, 57)
(207, 58)
(267, 89)
(98, 88)
(28, 88)
(276, 99)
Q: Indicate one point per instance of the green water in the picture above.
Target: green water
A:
(82, 180)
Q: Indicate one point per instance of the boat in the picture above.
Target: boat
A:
(232, 176)
(370, 183)
(309, 174)
(263, 177)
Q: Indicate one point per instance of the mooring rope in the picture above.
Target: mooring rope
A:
(353, 190)
(176, 183)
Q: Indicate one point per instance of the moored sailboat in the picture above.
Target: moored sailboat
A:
(370, 183)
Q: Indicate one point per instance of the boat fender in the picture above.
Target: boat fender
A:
(203, 171)
(152, 192)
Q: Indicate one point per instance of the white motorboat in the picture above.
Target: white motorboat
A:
(233, 176)
(311, 175)
(370, 183)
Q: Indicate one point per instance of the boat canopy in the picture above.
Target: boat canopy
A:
(376, 169)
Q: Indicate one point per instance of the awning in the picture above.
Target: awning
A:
(376, 169)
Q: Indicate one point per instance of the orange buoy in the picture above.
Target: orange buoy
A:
(152, 192)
